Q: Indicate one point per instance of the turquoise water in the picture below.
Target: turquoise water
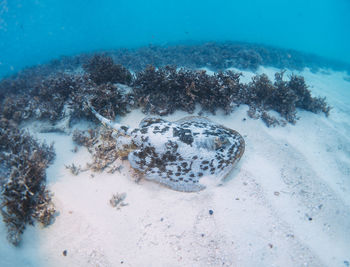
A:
(35, 31)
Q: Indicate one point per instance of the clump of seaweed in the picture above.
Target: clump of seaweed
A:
(101, 144)
(45, 99)
(305, 100)
(85, 138)
(102, 69)
(283, 96)
(62, 97)
(16, 107)
(24, 198)
(74, 169)
(221, 55)
(164, 90)
(117, 200)
(111, 100)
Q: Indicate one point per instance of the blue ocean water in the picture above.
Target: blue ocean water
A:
(35, 31)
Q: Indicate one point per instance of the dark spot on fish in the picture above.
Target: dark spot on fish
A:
(124, 128)
(185, 135)
(165, 129)
(144, 139)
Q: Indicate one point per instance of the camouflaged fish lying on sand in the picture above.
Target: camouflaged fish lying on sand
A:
(178, 154)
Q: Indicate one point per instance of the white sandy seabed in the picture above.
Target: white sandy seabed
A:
(286, 204)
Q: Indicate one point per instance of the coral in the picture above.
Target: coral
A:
(24, 198)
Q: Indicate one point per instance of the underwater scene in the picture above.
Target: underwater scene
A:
(174, 133)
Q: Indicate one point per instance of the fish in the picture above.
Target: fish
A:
(181, 153)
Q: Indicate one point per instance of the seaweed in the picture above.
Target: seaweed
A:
(85, 138)
(283, 99)
(221, 55)
(24, 197)
(270, 120)
(160, 91)
(101, 144)
(283, 96)
(117, 200)
(110, 100)
(164, 90)
(60, 97)
(45, 99)
(102, 70)
(305, 100)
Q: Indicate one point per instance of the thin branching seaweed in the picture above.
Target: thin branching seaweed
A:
(24, 197)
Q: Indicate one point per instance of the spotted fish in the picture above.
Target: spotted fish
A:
(179, 154)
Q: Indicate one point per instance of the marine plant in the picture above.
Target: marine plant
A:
(157, 91)
(102, 69)
(24, 197)
(162, 91)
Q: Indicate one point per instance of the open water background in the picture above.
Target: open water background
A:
(36, 31)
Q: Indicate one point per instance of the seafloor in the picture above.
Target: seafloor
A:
(285, 204)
